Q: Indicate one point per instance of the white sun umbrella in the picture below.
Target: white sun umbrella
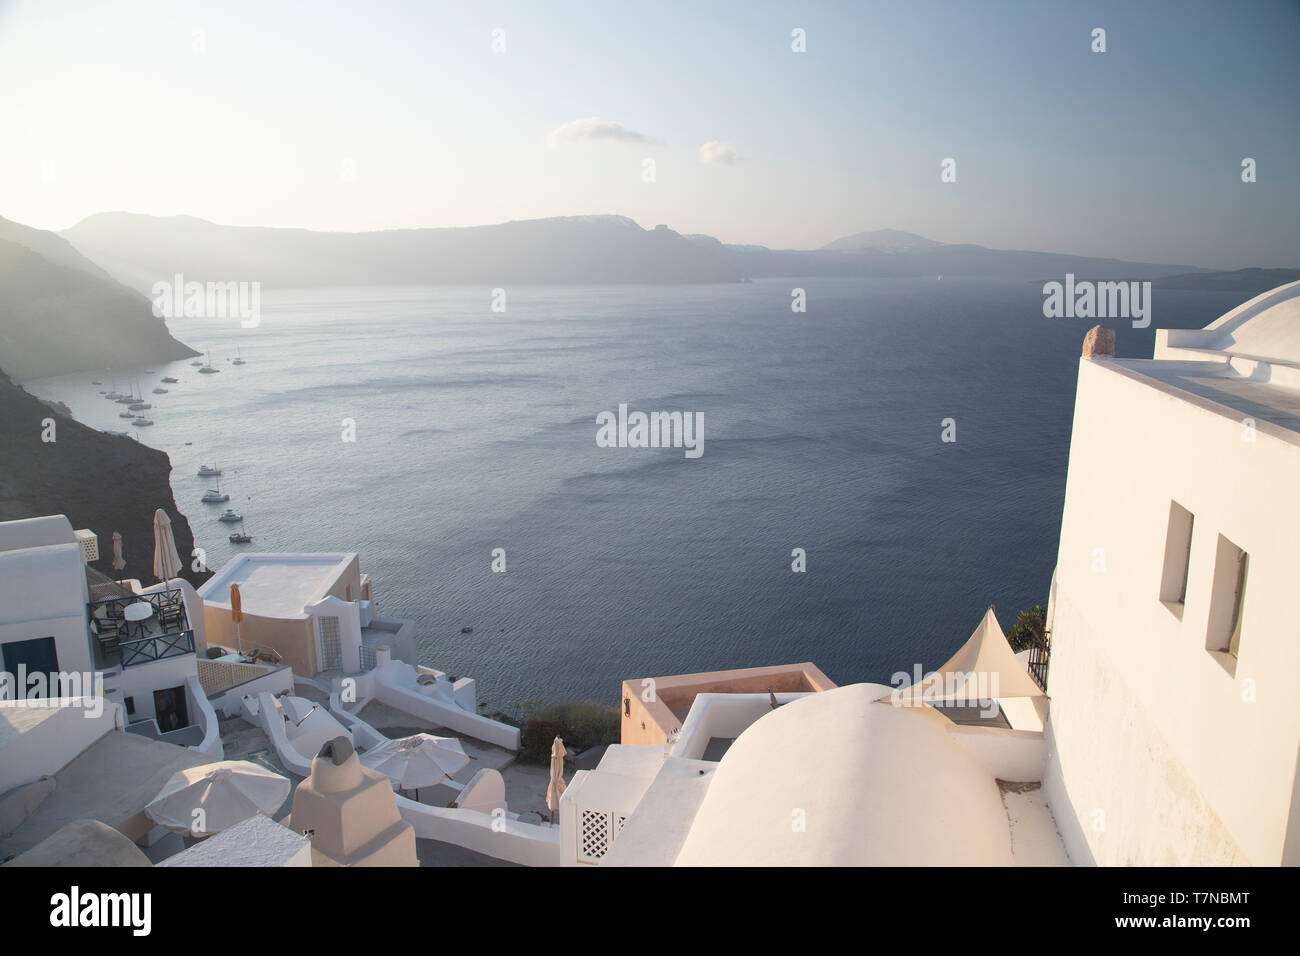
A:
(420, 760)
(555, 789)
(213, 797)
(166, 562)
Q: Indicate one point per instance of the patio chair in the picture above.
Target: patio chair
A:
(171, 612)
(107, 636)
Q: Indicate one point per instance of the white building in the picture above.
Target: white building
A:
(51, 625)
(1174, 723)
(43, 597)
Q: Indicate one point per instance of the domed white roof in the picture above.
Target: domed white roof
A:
(869, 783)
(1266, 327)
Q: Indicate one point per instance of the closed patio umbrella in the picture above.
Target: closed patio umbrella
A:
(555, 789)
(119, 562)
(236, 614)
(227, 792)
(420, 760)
(166, 562)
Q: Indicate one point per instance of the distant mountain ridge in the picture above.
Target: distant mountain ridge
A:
(1250, 281)
(61, 313)
(893, 253)
(140, 250)
(892, 241)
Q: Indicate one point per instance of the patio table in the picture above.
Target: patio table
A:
(137, 614)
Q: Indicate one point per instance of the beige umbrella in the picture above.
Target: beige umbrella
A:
(420, 760)
(555, 789)
(236, 614)
(207, 799)
(119, 562)
(166, 562)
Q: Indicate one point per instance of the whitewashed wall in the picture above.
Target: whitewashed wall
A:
(1160, 754)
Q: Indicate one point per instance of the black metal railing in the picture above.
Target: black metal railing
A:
(168, 608)
(155, 648)
(1040, 654)
(165, 633)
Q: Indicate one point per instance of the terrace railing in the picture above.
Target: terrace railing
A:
(135, 644)
(168, 607)
(155, 648)
(1040, 654)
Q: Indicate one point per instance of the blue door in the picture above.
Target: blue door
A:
(37, 656)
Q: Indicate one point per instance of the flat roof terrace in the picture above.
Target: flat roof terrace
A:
(1237, 395)
(276, 585)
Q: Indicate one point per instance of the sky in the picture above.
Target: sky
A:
(391, 114)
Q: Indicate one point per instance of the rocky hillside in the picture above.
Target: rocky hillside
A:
(60, 313)
(102, 482)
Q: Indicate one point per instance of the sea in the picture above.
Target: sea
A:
(425, 430)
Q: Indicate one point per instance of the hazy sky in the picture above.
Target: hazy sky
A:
(385, 113)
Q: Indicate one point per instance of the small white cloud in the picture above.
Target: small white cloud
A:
(593, 129)
(717, 153)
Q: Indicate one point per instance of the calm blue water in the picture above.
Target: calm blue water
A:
(475, 430)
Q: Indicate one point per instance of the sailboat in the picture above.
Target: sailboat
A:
(215, 495)
(238, 360)
(241, 536)
(208, 369)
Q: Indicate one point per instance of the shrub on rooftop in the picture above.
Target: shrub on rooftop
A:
(581, 724)
(1029, 630)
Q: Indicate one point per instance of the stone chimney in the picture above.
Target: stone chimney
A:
(349, 812)
(1099, 342)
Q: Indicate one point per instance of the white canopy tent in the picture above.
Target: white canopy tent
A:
(984, 668)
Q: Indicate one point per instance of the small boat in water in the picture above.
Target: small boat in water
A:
(215, 495)
(139, 422)
(208, 369)
(170, 381)
(238, 360)
(139, 406)
(230, 515)
(196, 363)
(96, 383)
(126, 414)
(241, 536)
(160, 391)
(207, 471)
